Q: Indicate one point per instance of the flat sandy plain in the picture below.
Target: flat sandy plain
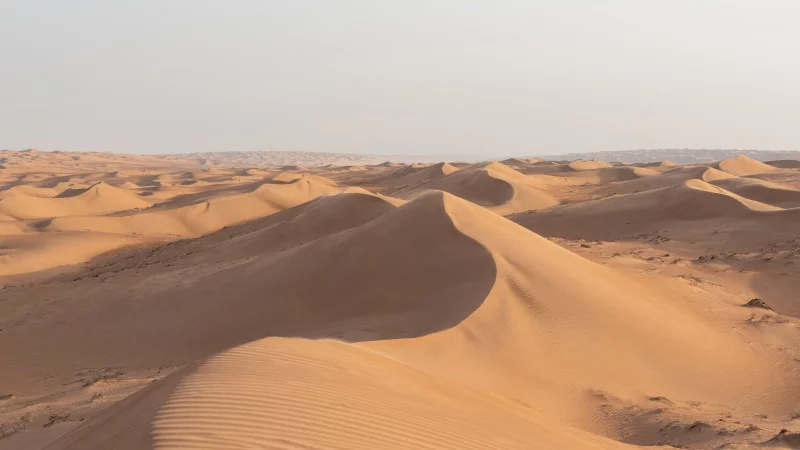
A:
(159, 302)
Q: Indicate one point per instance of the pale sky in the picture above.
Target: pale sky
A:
(488, 78)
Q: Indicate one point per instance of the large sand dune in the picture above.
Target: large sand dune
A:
(556, 325)
(166, 304)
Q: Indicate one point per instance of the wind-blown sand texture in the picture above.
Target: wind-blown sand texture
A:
(159, 303)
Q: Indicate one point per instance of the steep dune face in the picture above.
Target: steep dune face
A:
(96, 200)
(692, 200)
(493, 185)
(742, 165)
(580, 326)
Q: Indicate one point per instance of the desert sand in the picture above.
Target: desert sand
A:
(165, 302)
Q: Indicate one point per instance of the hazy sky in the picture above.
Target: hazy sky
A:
(405, 76)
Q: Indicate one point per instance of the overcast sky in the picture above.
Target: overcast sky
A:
(399, 77)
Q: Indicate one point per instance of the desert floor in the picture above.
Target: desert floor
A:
(170, 303)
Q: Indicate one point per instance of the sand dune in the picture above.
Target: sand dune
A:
(414, 175)
(762, 191)
(556, 325)
(289, 177)
(588, 165)
(742, 165)
(206, 217)
(31, 252)
(493, 185)
(96, 200)
(165, 303)
(784, 164)
(691, 200)
(255, 414)
(31, 191)
(623, 173)
(666, 179)
(521, 162)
